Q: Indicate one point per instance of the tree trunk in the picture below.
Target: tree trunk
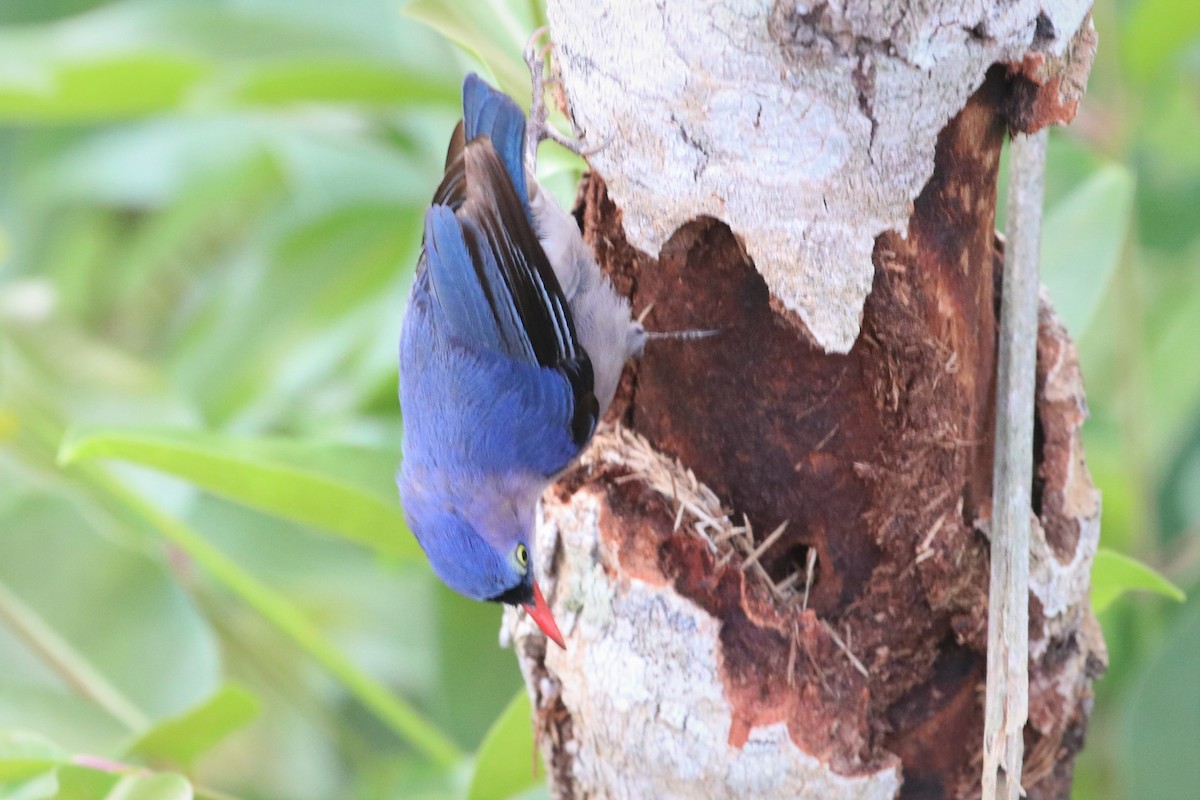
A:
(772, 573)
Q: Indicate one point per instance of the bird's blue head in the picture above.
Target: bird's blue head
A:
(479, 549)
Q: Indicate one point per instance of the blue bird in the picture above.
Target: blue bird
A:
(511, 349)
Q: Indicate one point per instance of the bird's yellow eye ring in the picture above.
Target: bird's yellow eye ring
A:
(522, 555)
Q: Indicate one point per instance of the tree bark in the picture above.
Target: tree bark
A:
(772, 573)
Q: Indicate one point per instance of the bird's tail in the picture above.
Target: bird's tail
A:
(491, 113)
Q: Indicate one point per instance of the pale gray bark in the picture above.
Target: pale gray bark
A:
(807, 127)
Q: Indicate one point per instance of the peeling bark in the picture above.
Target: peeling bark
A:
(846, 659)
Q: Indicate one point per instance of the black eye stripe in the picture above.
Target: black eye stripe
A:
(521, 594)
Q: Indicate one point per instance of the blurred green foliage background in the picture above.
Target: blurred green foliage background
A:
(209, 214)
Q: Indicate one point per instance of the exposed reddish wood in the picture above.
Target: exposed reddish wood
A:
(1047, 90)
(879, 460)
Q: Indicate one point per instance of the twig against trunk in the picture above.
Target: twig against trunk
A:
(1007, 700)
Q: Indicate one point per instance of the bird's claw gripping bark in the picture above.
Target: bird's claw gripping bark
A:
(538, 129)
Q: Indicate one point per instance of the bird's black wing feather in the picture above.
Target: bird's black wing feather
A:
(492, 279)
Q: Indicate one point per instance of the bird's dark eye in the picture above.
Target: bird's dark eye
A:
(522, 555)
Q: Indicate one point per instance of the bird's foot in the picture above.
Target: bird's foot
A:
(538, 129)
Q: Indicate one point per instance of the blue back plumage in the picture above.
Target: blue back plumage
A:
(496, 391)
(491, 113)
(477, 410)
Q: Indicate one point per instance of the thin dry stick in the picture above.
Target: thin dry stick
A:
(762, 548)
(845, 648)
(810, 567)
(1006, 706)
(787, 583)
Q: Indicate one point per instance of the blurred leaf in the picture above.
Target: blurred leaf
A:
(24, 755)
(1155, 32)
(365, 242)
(394, 711)
(1113, 574)
(1165, 159)
(1114, 475)
(1158, 741)
(152, 787)
(490, 30)
(62, 658)
(1082, 241)
(1173, 407)
(106, 620)
(336, 81)
(210, 214)
(539, 792)
(37, 10)
(507, 759)
(182, 739)
(40, 787)
(1178, 498)
(55, 370)
(352, 592)
(60, 714)
(477, 677)
(133, 59)
(105, 87)
(326, 161)
(340, 488)
(84, 783)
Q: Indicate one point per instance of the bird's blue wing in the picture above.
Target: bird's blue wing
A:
(457, 280)
(488, 269)
(492, 281)
(491, 113)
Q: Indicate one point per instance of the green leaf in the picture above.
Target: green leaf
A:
(85, 783)
(134, 59)
(352, 591)
(108, 620)
(1082, 242)
(1155, 32)
(476, 683)
(151, 787)
(504, 767)
(492, 32)
(1158, 737)
(1113, 574)
(24, 755)
(56, 652)
(39, 787)
(27, 11)
(338, 81)
(118, 86)
(1170, 410)
(398, 714)
(339, 488)
(73, 722)
(495, 33)
(182, 739)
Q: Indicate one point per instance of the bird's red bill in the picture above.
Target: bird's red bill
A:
(539, 612)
